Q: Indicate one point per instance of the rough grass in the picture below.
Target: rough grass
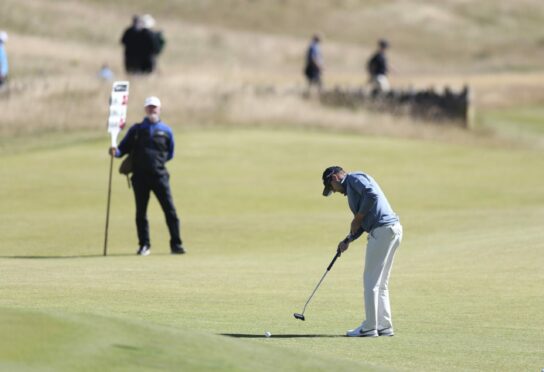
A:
(501, 34)
(465, 287)
(219, 54)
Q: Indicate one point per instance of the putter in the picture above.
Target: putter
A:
(300, 316)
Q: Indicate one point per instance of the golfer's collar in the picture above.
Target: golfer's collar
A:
(345, 185)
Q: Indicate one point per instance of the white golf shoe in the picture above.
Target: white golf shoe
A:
(359, 332)
(386, 332)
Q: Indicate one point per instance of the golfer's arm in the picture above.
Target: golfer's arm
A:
(355, 230)
(356, 224)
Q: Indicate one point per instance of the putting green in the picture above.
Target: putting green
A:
(466, 286)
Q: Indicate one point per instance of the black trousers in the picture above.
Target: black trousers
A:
(142, 185)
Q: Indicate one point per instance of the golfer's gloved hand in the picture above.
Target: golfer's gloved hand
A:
(112, 151)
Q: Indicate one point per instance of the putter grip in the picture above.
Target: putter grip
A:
(333, 261)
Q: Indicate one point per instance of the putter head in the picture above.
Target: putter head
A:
(299, 316)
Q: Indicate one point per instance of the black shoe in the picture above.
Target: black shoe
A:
(178, 250)
(144, 250)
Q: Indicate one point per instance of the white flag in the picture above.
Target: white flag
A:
(118, 109)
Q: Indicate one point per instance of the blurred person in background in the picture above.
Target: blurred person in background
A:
(4, 68)
(377, 67)
(131, 42)
(157, 42)
(105, 73)
(314, 64)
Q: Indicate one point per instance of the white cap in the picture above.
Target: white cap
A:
(3, 36)
(152, 101)
(148, 21)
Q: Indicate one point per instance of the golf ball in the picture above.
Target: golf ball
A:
(267, 334)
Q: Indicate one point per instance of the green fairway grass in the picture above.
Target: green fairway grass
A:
(90, 342)
(466, 286)
(524, 123)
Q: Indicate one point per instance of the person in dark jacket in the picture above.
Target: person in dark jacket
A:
(140, 47)
(131, 42)
(154, 39)
(313, 68)
(151, 145)
(378, 68)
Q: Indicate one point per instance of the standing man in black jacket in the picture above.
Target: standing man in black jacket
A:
(151, 145)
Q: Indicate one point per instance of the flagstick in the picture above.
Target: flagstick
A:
(116, 121)
(108, 210)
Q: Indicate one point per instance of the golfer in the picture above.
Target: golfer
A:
(151, 145)
(371, 214)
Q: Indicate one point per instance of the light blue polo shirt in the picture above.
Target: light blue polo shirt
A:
(366, 197)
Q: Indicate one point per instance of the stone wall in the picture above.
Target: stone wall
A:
(429, 105)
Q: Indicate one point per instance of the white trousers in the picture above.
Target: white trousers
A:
(381, 83)
(380, 251)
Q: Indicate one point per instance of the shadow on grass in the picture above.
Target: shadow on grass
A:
(128, 347)
(245, 335)
(67, 257)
